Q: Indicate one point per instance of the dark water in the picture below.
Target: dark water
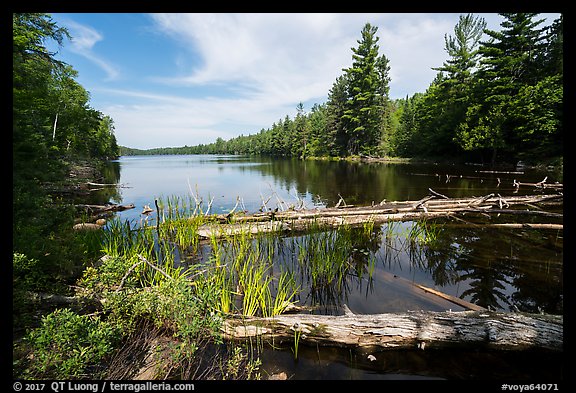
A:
(505, 269)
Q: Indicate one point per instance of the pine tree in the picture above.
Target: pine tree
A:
(405, 140)
(445, 103)
(462, 48)
(335, 126)
(300, 131)
(511, 60)
(367, 86)
(319, 140)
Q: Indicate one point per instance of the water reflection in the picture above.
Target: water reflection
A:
(375, 271)
(318, 183)
(505, 269)
(331, 265)
(334, 363)
(501, 269)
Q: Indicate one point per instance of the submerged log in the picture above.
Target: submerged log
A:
(489, 330)
(220, 230)
(453, 299)
(97, 213)
(559, 227)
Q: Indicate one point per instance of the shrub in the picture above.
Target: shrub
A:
(67, 344)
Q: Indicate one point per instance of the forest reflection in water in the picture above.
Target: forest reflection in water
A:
(375, 270)
(500, 268)
(372, 271)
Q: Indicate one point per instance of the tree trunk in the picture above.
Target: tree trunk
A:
(413, 329)
(54, 129)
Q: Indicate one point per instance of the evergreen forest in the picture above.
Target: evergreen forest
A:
(498, 98)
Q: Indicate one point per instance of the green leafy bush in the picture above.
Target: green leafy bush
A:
(67, 344)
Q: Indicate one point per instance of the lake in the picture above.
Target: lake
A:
(504, 269)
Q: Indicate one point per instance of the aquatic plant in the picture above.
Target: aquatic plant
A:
(286, 290)
(297, 335)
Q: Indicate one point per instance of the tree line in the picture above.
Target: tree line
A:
(497, 98)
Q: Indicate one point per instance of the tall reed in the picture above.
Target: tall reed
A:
(240, 267)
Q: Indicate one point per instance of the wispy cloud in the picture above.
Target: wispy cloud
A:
(268, 63)
(414, 43)
(152, 120)
(239, 73)
(298, 56)
(83, 42)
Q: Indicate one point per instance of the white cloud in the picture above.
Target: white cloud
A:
(290, 56)
(84, 38)
(267, 64)
(297, 57)
(414, 43)
(160, 120)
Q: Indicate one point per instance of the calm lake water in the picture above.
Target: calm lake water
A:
(505, 269)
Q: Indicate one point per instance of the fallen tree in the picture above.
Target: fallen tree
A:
(99, 209)
(97, 214)
(488, 330)
(541, 184)
(432, 206)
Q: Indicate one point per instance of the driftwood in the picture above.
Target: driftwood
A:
(432, 206)
(389, 277)
(489, 330)
(503, 172)
(56, 300)
(221, 230)
(51, 301)
(478, 329)
(97, 214)
(105, 184)
(540, 184)
(522, 226)
(99, 209)
(88, 226)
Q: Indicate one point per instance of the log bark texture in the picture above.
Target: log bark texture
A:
(488, 330)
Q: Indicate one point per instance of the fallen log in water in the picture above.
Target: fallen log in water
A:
(453, 299)
(88, 226)
(221, 230)
(98, 209)
(97, 214)
(540, 184)
(432, 206)
(488, 330)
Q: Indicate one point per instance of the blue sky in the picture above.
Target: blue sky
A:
(179, 79)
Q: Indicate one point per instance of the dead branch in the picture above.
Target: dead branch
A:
(437, 194)
(527, 226)
(105, 184)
